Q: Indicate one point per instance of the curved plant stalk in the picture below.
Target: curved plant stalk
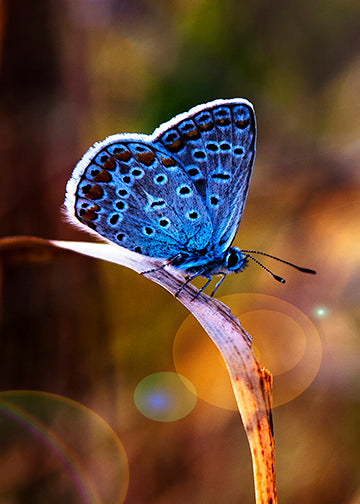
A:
(252, 384)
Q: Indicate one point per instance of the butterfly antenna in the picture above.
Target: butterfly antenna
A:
(276, 277)
(300, 268)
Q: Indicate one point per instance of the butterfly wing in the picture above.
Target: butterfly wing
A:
(180, 190)
(138, 196)
(215, 142)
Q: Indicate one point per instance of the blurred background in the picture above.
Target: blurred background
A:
(91, 410)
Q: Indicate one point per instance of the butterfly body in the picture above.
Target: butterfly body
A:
(178, 194)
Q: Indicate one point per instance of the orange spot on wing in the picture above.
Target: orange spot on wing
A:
(103, 176)
(95, 192)
(147, 158)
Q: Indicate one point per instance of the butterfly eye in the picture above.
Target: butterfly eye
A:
(232, 259)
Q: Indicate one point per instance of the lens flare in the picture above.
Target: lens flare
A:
(87, 449)
(279, 342)
(165, 397)
(284, 340)
(321, 312)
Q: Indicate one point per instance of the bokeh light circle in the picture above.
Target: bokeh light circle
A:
(165, 396)
(273, 330)
(285, 341)
(321, 311)
(83, 450)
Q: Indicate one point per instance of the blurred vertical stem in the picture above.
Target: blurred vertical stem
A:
(252, 386)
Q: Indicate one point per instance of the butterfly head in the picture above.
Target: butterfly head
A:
(234, 261)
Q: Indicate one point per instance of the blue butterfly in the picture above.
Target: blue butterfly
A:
(178, 194)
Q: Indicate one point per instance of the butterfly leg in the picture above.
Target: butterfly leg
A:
(188, 280)
(218, 284)
(168, 262)
(209, 277)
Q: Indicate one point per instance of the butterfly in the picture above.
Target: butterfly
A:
(178, 194)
